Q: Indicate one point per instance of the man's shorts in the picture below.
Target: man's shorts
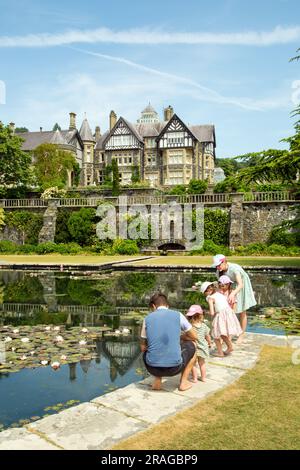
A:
(188, 350)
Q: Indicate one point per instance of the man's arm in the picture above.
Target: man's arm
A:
(189, 335)
(143, 341)
(143, 344)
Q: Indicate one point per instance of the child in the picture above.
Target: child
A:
(225, 287)
(196, 318)
(225, 324)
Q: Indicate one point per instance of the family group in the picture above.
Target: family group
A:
(176, 344)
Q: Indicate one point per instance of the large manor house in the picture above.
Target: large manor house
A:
(163, 153)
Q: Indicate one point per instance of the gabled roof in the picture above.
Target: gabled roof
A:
(100, 143)
(85, 131)
(129, 125)
(168, 124)
(204, 133)
(34, 139)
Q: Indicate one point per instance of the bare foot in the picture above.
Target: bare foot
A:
(156, 383)
(228, 352)
(194, 381)
(240, 339)
(184, 386)
(201, 380)
(217, 355)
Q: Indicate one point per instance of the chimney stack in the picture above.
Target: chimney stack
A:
(97, 133)
(168, 113)
(112, 120)
(72, 121)
(41, 129)
(12, 127)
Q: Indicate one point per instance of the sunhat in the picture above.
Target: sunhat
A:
(218, 259)
(205, 285)
(225, 279)
(193, 310)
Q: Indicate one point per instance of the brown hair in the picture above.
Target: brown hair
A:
(158, 300)
(195, 317)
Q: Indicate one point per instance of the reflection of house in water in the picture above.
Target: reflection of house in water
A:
(121, 354)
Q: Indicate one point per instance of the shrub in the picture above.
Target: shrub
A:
(68, 248)
(125, 247)
(7, 246)
(46, 247)
(27, 248)
(279, 235)
(62, 234)
(211, 248)
(178, 190)
(81, 225)
(197, 187)
(216, 226)
(27, 223)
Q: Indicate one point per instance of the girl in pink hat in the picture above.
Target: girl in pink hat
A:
(225, 323)
(225, 287)
(196, 318)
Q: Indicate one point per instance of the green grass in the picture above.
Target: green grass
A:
(260, 411)
(55, 258)
(183, 260)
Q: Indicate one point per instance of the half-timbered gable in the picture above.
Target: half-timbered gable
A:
(175, 134)
(123, 136)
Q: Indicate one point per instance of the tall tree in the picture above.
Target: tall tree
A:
(19, 130)
(14, 163)
(116, 178)
(56, 127)
(52, 165)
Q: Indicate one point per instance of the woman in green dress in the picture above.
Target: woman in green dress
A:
(242, 292)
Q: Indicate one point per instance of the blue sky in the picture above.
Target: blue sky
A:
(221, 62)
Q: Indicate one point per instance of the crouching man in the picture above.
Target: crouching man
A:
(167, 351)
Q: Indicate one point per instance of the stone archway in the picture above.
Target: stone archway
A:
(171, 246)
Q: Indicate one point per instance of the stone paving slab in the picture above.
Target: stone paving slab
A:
(22, 439)
(141, 402)
(198, 391)
(222, 374)
(87, 427)
(238, 359)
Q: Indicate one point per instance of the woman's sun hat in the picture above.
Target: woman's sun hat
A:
(225, 280)
(218, 259)
(193, 310)
(205, 285)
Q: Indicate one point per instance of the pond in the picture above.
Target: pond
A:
(102, 310)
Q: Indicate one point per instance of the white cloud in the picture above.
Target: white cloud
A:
(279, 35)
(197, 90)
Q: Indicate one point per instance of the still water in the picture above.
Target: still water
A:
(116, 300)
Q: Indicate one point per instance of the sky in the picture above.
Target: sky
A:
(219, 62)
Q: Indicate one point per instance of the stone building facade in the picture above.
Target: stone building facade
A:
(163, 153)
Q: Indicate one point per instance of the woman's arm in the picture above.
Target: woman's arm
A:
(239, 287)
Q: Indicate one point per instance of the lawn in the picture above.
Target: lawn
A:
(56, 258)
(172, 260)
(207, 261)
(259, 411)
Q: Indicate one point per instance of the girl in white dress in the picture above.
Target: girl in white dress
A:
(225, 323)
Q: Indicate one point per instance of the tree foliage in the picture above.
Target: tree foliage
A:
(81, 225)
(14, 163)
(116, 178)
(52, 165)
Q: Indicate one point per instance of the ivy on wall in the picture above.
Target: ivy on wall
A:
(28, 224)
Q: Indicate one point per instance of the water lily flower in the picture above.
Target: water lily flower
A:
(32, 352)
(126, 331)
(63, 357)
(16, 331)
(23, 357)
(55, 365)
(44, 363)
(59, 339)
(25, 340)
(117, 332)
(82, 342)
(7, 339)
(84, 330)
(13, 349)
(56, 328)
(48, 328)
